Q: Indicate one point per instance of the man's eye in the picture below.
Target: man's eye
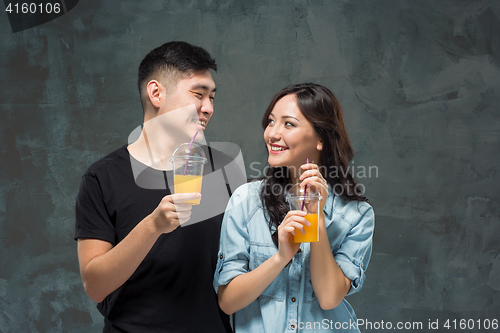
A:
(198, 95)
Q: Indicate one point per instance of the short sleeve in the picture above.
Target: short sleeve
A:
(92, 218)
(234, 248)
(354, 253)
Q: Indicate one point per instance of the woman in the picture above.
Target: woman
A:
(268, 281)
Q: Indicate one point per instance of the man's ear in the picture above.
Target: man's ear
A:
(154, 90)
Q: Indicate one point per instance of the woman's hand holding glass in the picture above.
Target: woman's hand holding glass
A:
(294, 222)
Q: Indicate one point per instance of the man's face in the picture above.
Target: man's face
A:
(190, 105)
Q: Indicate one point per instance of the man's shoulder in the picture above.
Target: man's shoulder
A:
(107, 162)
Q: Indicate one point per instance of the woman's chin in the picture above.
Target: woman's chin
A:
(273, 163)
(276, 165)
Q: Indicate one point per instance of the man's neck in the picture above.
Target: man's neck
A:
(154, 152)
(162, 133)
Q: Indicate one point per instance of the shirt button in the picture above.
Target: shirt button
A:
(299, 250)
(293, 299)
(292, 326)
(221, 256)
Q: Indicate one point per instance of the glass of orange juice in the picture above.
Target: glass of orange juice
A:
(188, 161)
(306, 199)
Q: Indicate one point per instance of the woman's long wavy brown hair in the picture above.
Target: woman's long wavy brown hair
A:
(321, 108)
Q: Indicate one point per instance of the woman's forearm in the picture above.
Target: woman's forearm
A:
(245, 288)
(329, 282)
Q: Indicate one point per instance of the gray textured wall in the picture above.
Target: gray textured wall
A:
(419, 83)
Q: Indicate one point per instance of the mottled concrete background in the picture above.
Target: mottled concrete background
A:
(419, 83)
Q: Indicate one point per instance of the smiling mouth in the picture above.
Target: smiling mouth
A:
(277, 149)
(201, 122)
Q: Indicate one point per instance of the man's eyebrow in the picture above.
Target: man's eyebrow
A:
(202, 87)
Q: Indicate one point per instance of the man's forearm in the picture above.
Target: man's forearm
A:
(105, 268)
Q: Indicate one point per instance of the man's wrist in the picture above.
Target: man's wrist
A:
(152, 224)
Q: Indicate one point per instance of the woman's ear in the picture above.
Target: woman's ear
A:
(319, 146)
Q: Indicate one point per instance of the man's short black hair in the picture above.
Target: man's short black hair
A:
(173, 58)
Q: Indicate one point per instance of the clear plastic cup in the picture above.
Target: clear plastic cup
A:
(188, 160)
(307, 200)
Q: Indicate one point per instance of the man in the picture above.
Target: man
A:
(147, 273)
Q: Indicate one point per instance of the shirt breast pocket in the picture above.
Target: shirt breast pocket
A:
(277, 289)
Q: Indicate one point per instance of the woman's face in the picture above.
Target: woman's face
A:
(290, 137)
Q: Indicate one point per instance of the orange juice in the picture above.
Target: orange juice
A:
(188, 184)
(311, 232)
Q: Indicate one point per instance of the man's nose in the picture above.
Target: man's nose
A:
(207, 107)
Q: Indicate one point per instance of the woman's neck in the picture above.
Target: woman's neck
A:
(295, 173)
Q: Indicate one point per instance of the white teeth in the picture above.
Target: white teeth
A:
(202, 123)
(274, 148)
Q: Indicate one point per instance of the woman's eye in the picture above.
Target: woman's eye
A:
(270, 121)
(287, 123)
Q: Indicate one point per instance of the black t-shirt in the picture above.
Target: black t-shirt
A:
(171, 290)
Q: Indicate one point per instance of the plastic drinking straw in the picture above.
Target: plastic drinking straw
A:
(305, 192)
(190, 144)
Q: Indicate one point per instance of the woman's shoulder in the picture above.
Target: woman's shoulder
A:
(249, 189)
(247, 194)
(352, 210)
(245, 201)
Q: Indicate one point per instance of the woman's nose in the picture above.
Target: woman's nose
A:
(274, 133)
